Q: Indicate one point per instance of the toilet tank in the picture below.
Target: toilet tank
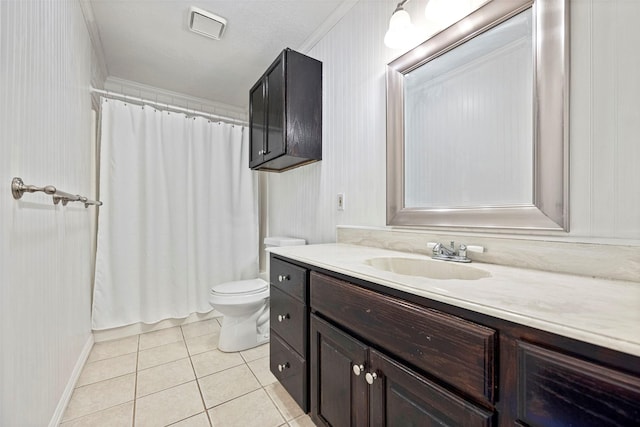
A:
(283, 241)
(270, 242)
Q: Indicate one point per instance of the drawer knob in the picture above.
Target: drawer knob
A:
(370, 377)
(357, 369)
(283, 366)
(283, 277)
(283, 317)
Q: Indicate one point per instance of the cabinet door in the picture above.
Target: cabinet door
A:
(339, 397)
(400, 397)
(274, 78)
(257, 123)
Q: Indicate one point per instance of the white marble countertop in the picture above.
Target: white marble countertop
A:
(597, 311)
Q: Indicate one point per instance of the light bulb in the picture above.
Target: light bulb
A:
(399, 20)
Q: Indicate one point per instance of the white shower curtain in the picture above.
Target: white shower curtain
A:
(179, 214)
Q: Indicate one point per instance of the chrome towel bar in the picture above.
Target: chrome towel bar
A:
(18, 188)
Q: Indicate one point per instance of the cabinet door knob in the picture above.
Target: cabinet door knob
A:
(283, 277)
(357, 369)
(283, 366)
(260, 152)
(370, 377)
(283, 317)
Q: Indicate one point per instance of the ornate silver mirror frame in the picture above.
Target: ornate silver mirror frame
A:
(549, 209)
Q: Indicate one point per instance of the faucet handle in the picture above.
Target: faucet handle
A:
(462, 250)
(478, 249)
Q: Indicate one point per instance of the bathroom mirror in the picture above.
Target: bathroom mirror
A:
(477, 122)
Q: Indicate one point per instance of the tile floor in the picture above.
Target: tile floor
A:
(178, 377)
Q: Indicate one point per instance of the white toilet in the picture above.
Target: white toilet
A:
(245, 307)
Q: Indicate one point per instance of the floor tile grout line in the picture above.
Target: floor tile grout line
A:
(222, 370)
(163, 364)
(160, 345)
(165, 344)
(105, 379)
(254, 375)
(107, 358)
(184, 338)
(200, 335)
(204, 405)
(252, 360)
(284, 417)
(179, 421)
(65, 421)
(88, 362)
(234, 398)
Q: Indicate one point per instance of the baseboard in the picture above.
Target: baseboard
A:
(141, 328)
(71, 384)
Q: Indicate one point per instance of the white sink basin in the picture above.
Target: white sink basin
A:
(442, 270)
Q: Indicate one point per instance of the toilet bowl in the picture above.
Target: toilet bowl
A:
(244, 305)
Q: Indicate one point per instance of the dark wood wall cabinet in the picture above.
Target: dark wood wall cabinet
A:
(285, 114)
(377, 356)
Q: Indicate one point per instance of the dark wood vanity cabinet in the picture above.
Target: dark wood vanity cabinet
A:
(354, 383)
(289, 323)
(377, 356)
(285, 114)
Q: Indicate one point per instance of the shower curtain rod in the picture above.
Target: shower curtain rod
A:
(173, 108)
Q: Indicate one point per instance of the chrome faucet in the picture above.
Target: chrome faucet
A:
(444, 253)
(440, 249)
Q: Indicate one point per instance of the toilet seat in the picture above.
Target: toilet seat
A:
(239, 292)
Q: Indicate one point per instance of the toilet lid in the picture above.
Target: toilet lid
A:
(241, 287)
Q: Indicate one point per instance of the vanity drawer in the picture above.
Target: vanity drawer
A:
(288, 319)
(457, 351)
(557, 389)
(291, 371)
(289, 278)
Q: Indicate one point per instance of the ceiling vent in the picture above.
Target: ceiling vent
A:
(206, 23)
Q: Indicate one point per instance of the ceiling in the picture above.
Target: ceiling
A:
(148, 41)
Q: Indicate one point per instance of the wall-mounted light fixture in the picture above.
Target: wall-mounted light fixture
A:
(439, 15)
(401, 32)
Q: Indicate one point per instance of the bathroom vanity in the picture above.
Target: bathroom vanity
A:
(370, 346)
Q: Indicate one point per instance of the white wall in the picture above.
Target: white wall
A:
(605, 124)
(302, 202)
(605, 118)
(45, 138)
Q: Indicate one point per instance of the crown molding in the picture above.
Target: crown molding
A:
(335, 17)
